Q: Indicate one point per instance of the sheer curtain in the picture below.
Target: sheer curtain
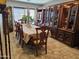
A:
(32, 13)
(18, 13)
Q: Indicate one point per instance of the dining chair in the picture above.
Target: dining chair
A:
(19, 33)
(41, 38)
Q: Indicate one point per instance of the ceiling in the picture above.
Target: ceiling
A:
(35, 1)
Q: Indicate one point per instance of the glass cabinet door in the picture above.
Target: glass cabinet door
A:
(72, 18)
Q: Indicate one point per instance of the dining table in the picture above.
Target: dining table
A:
(29, 31)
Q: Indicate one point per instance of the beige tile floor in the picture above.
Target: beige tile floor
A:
(56, 50)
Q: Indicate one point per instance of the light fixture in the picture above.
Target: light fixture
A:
(76, 3)
(66, 6)
(28, 0)
(58, 6)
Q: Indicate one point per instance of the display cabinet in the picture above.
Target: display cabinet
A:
(68, 30)
(63, 20)
(55, 13)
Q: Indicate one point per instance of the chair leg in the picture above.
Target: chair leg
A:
(36, 50)
(22, 44)
(46, 49)
(20, 41)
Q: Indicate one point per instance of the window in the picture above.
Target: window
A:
(19, 12)
(25, 12)
(32, 13)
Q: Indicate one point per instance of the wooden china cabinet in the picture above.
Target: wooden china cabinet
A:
(68, 26)
(55, 13)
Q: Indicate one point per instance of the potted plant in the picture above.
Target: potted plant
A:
(24, 18)
(27, 18)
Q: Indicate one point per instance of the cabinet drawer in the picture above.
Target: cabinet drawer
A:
(68, 38)
(60, 35)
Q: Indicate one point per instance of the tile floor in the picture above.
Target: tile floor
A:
(56, 50)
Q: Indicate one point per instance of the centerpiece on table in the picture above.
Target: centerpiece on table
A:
(27, 20)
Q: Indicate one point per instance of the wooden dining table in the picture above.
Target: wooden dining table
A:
(29, 31)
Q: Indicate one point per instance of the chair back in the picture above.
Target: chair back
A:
(17, 27)
(19, 30)
(43, 35)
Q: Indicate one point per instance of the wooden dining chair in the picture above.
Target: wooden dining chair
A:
(19, 33)
(41, 38)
